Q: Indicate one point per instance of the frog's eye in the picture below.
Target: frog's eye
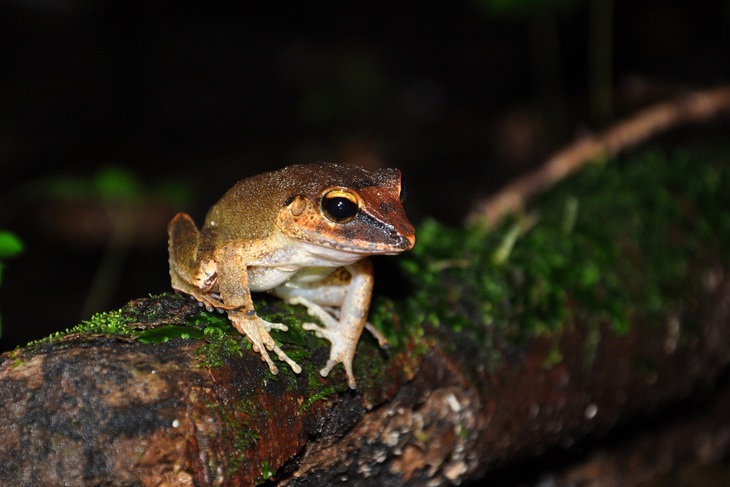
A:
(340, 206)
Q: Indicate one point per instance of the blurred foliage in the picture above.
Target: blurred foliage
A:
(116, 184)
(10, 246)
(111, 184)
(126, 199)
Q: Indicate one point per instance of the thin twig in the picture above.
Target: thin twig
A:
(697, 107)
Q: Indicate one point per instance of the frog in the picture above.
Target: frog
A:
(303, 233)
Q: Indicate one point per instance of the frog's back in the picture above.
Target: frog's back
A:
(246, 211)
(250, 208)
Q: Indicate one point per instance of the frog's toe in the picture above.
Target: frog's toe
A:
(261, 350)
(321, 332)
(294, 366)
(272, 368)
(324, 372)
(283, 356)
(382, 341)
(311, 327)
(275, 326)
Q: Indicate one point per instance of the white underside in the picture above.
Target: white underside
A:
(288, 262)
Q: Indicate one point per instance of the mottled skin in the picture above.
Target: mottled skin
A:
(304, 233)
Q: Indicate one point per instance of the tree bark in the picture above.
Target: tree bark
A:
(112, 411)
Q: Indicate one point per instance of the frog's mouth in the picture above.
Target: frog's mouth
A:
(396, 238)
(364, 236)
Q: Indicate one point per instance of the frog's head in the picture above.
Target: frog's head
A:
(346, 208)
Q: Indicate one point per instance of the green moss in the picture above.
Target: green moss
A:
(221, 340)
(266, 471)
(16, 359)
(385, 315)
(421, 436)
(554, 356)
(242, 442)
(317, 393)
(614, 244)
(107, 323)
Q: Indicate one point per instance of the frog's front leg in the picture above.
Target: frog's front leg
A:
(344, 333)
(234, 292)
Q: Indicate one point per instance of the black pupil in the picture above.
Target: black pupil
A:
(340, 208)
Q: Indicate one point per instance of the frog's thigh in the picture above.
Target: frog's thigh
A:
(184, 240)
(330, 291)
(332, 296)
(187, 272)
(360, 291)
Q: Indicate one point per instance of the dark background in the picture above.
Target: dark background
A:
(144, 108)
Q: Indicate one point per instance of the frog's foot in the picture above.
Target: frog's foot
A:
(251, 314)
(325, 314)
(257, 331)
(341, 351)
(342, 348)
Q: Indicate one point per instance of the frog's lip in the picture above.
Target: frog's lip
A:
(367, 248)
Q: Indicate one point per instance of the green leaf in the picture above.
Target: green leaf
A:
(10, 245)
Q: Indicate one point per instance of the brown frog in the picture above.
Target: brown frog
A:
(303, 233)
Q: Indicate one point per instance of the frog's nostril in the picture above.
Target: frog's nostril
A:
(399, 241)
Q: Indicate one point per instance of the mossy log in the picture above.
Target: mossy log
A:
(608, 302)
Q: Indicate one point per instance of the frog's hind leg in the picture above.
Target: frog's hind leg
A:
(183, 244)
(190, 272)
(352, 295)
(324, 299)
